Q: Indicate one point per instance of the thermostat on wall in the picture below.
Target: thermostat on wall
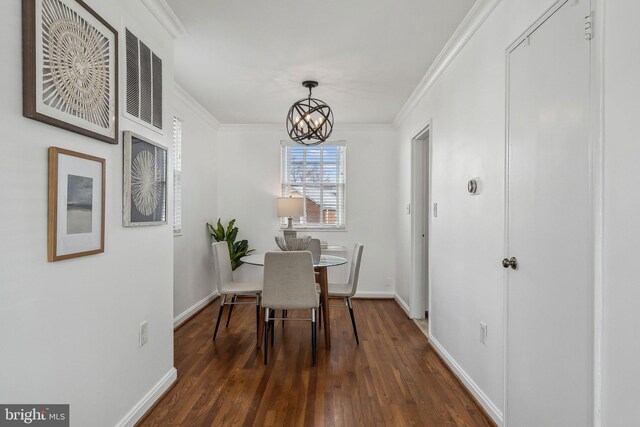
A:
(473, 186)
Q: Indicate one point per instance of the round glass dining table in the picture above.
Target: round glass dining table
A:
(320, 267)
(325, 260)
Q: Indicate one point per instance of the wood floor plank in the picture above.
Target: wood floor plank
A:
(393, 378)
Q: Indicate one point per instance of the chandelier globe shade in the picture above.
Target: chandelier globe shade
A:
(310, 120)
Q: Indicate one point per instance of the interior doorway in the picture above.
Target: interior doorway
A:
(420, 222)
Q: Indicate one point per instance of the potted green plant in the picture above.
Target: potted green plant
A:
(236, 249)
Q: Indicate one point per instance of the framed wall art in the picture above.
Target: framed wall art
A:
(145, 182)
(76, 204)
(70, 68)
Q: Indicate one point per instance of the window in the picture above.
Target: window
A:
(177, 176)
(318, 175)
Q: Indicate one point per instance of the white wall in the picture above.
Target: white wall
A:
(193, 266)
(621, 345)
(466, 105)
(69, 330)
(249, 183)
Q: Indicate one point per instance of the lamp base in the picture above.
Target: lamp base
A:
(289, 233)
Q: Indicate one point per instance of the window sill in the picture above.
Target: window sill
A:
(318, 229)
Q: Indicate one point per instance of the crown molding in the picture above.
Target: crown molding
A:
(184, 97)
(280, 127)
(167, 17)
(467, 28)
(253, 127)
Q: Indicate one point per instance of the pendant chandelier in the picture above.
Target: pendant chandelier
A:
(310, 120)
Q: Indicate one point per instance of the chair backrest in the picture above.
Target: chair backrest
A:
(316, 251)
(222, 265)
(289, 280)
(355, 267)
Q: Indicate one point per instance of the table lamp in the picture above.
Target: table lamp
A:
(290, 207)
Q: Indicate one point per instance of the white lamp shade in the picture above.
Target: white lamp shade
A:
(290, 206)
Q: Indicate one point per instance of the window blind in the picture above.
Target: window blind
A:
(177, 176)
(317, 174)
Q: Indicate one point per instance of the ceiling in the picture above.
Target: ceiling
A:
(244, 60)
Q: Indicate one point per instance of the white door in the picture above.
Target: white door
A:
(549, 320)
(426, 200)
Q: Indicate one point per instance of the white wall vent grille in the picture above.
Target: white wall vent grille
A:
(144, 82)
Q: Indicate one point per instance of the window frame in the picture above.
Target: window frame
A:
(176, 149)
(285, 187)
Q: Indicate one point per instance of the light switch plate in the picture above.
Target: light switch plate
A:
(483, 333)
(143, 334)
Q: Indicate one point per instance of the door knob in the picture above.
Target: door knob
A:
(513, 263)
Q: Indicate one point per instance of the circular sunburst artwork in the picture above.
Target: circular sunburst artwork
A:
(76, 73)
(145, 183)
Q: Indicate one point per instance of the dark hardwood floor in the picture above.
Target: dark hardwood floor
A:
(393, 378)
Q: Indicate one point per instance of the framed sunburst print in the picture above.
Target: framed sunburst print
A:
(145, 182)
(70, 68)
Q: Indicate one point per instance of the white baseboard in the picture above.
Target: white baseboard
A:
(484, 400)
(182, 317)
(374, 294)
(149, 399)
(403, 305)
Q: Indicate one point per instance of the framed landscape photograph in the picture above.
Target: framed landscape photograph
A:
(145, 182)
(76, 204)
(70, 68)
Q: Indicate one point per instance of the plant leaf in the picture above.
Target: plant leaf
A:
(230, 227)
(220, 231)
(231, 236)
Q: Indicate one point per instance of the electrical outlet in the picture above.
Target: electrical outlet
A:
(483, 333)
(388, 282)
(408, 208)
(143, 335)
(435, 210)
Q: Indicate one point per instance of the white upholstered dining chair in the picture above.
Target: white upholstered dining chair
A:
(315, 249)
(348, 290)
(230, 289)
(289, 284)
(316, 252)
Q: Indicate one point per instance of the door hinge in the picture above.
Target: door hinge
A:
(588, 26)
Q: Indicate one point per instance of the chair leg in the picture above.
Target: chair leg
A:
(353, 320)
(233, 300)
(273, 328)
(265, 347)
(222, 300)
(313, 335)
(320, 316)
(257, 312)
(284, 316)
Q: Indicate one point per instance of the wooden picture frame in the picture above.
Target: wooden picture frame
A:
(77, 184)
(62, 92)
(144, 181)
